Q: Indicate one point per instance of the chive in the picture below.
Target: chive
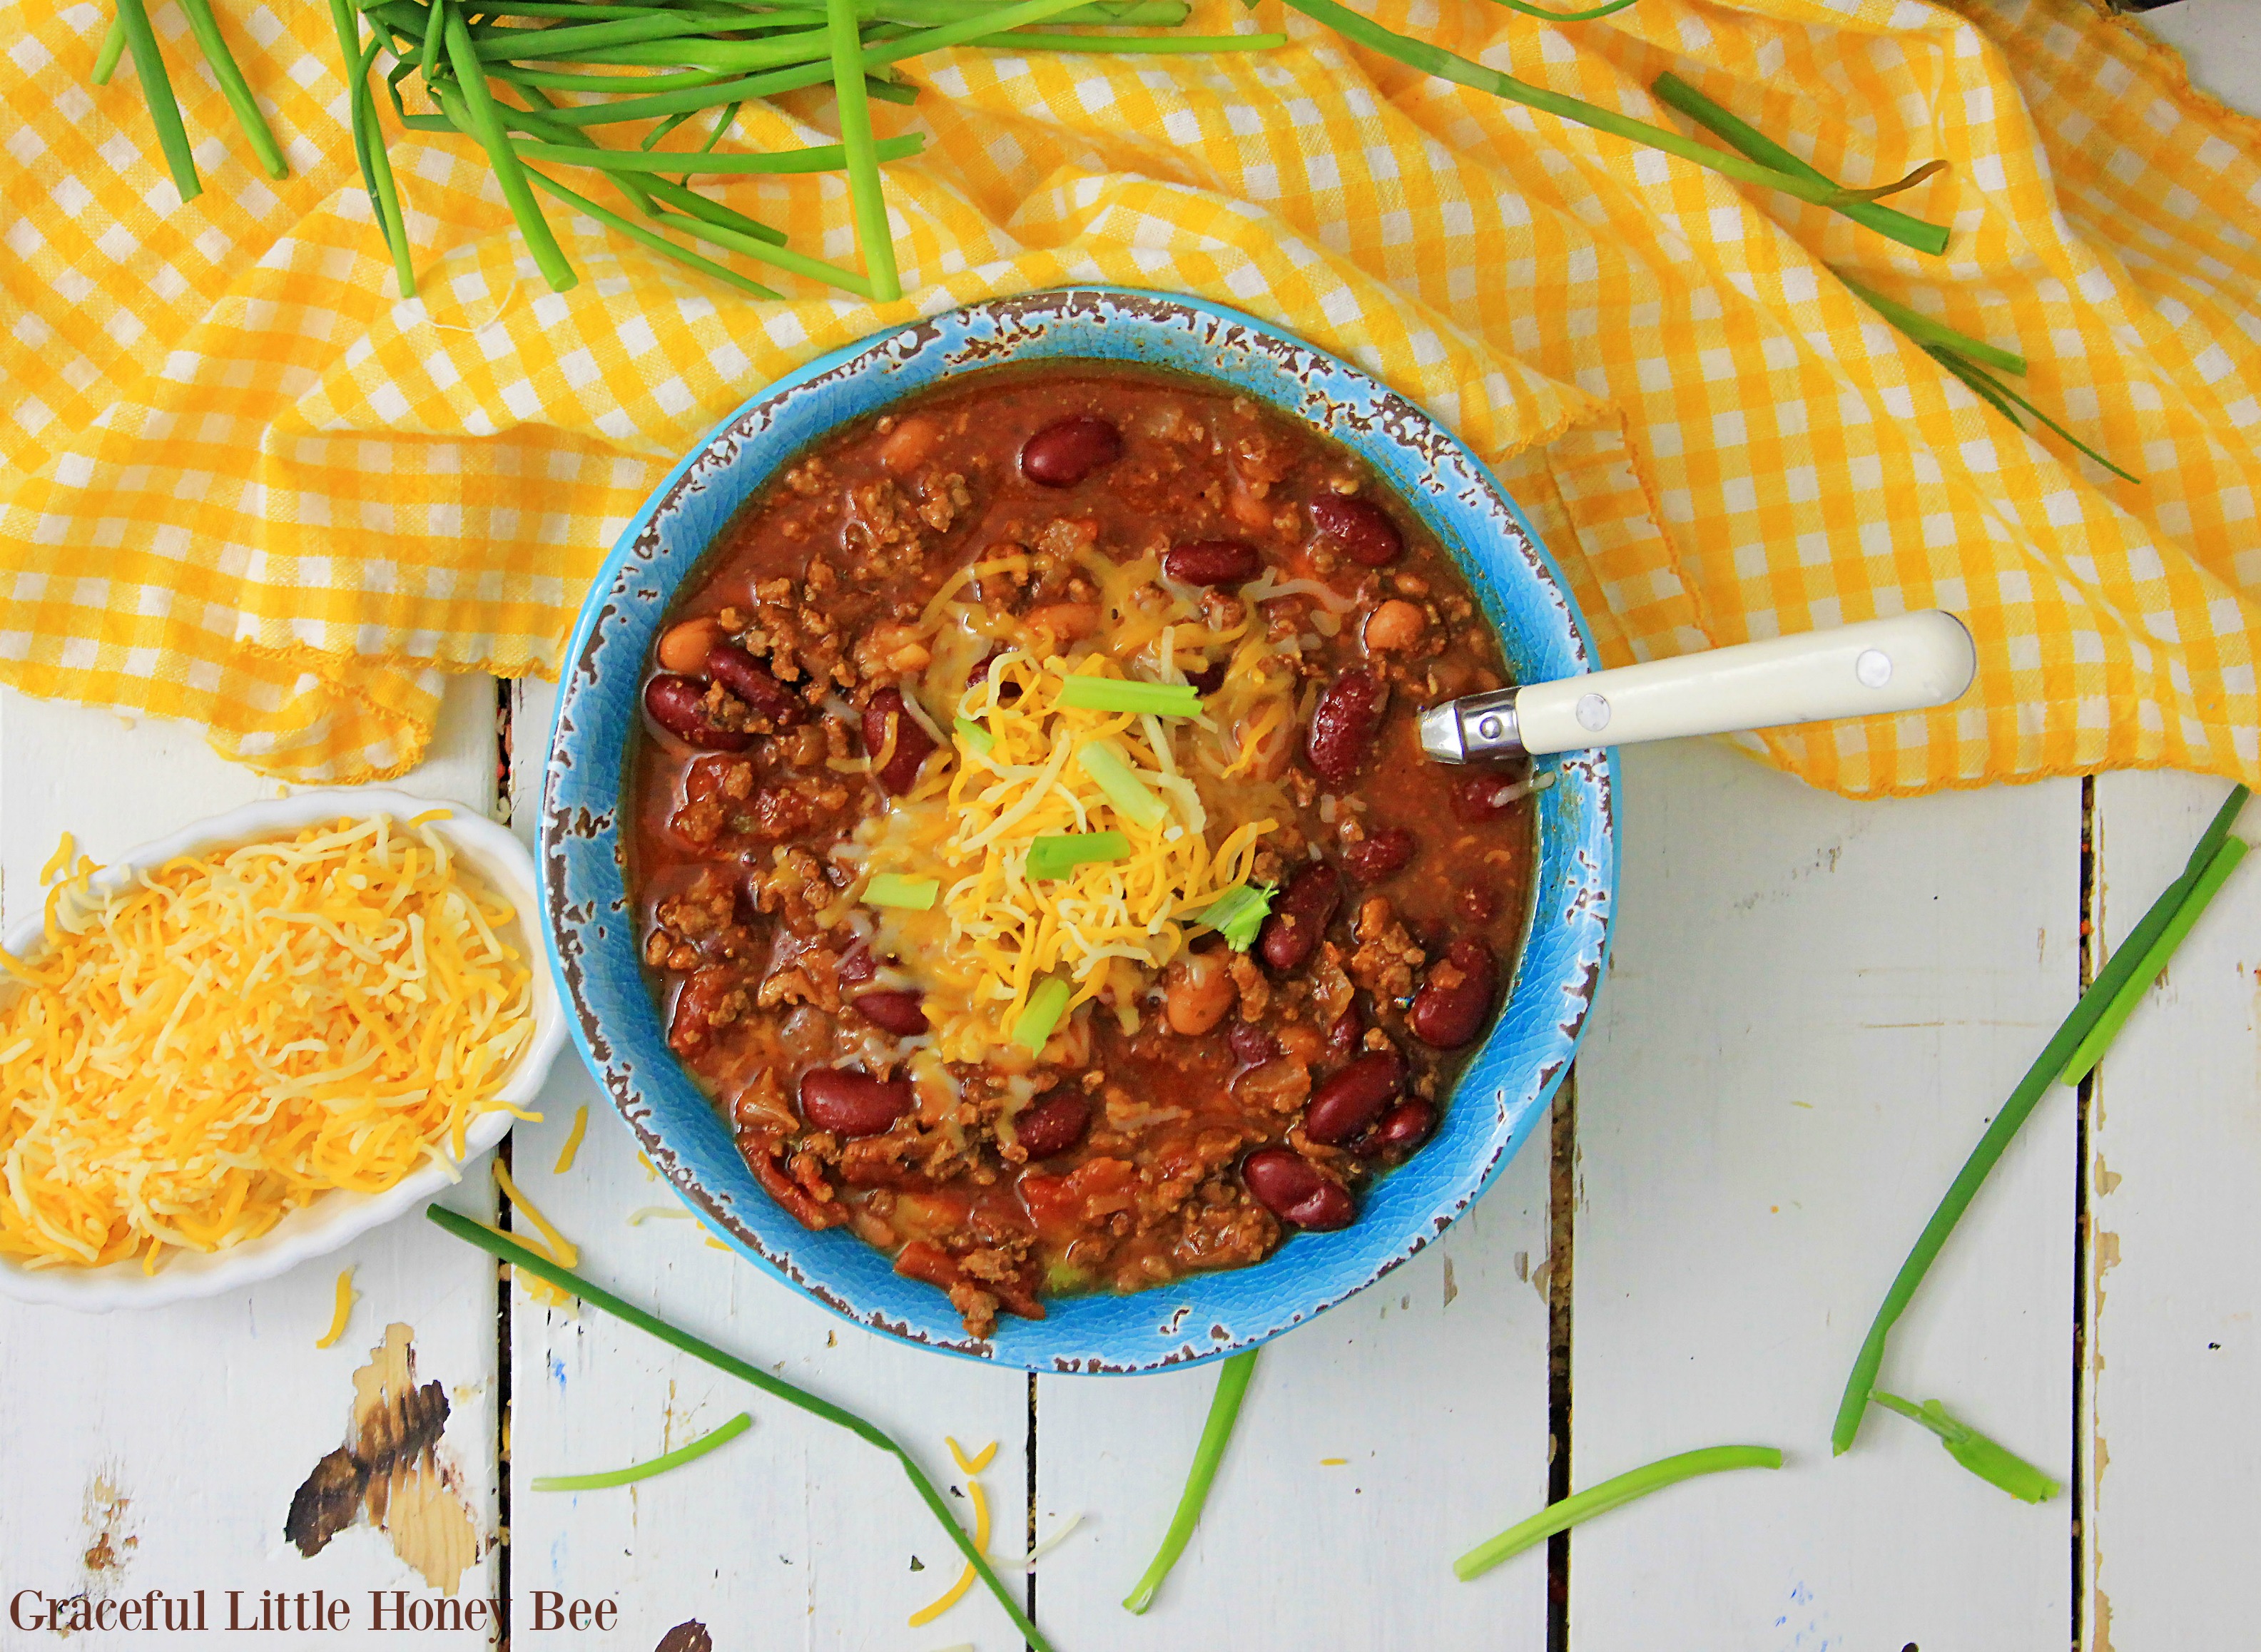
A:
(1675, 93)
(484, 123)
(1124, 788)
(1239, 914)
(113, 47)
(369, 144)
(565, 1279)
(1224, 1411)
(1927, 331)
(1056, 855)
(867, 198)
(2002, 395)
(800, 45)
(1115, 694)
(1040, 1015)
(636, 1472)
(157, 92)
(821, 158)
(893, 888)
(1146, 43)
(644, 237)
(1600, 1499)
(2138, 984)
(975, 736)
(1996, 1465)
(436, 31)
(546, 46)
(249, 115)
(2118, 971)
(1587, 16)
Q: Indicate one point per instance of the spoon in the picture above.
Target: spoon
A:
(1903, 664)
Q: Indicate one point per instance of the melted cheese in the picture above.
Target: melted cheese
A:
(1108, 927)
(231, 1035)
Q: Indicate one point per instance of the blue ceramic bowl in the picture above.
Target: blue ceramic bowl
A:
(592, 928)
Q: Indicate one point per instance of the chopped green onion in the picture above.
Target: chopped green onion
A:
(1239, 914)
(1600, 1499)
(541, 1267)
(2210, 882)
(1224, 1411)
(2055, 1057)
(1058, 855)
(635, 1472)
(1675, 93)
(1041, 1014)
(1996, 1465)
(1124, 788)
(893, 888)
(867, 198)
(975, 736)
(1116, 694)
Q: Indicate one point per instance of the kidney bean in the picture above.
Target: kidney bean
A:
(856, 966)
(750, 680)
(1252, 1044)
(1067, 450)
(1343, 726)
(1291, 1188)
(1343, 1037)
(1402, 1129)
(1378, 854)
(901, 1013)
(684, 648)
(1479, 797)
(1208, 679)
(1053, 1125)
(1361, 526)
(1299, 918)
(852, 1104)
(1479, 903)
(1353, 1098)
(912, 742)
(678, 704)
(1454, 1001)
(1212, 562)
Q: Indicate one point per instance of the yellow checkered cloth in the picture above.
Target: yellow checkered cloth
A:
(241, 481)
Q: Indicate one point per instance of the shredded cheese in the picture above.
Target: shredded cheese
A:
(559, 1248)
(231, 1035)
(956, 1592)
(1187, 793)
(573, 1140)
(340, 1313)
(974, 1465)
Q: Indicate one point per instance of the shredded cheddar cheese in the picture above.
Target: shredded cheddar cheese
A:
(573, 1140)
(956, 1592)
(340, 1313)
(1192, 796)
(227, 1037)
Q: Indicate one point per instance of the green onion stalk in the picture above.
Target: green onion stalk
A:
(541, 1267)
(1610, 1494)
(1216, 1432)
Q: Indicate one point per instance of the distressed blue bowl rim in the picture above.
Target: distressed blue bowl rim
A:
(589, 926)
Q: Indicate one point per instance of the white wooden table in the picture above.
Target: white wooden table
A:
(1812, 1008)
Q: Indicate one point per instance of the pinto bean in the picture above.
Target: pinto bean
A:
(1402, 1129)
(1395, 626)
(1067, 450)
(684, 648)
(1483, 797)
(1343, 726)
(678, 704)
(1291, 1188)
(852, 1104)
(1378, 854)
(1353, 1098)
(1451, 1007)
(905, 447)
(1052, 1125)
(750, 680)
(1212, 562)
(1361, 526)
(1299, 918)
(901, 1013)
(912, 742)
(1197, 991)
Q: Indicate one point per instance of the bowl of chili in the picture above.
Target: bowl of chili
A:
(683, 795)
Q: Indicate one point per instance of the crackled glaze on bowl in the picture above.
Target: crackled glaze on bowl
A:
(593, 926)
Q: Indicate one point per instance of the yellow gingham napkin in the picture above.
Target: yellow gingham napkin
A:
(241, 481)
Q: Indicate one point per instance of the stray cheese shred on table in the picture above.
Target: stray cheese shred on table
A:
(225, 1038)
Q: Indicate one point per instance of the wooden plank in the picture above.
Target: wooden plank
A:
(1814, 1007)
(2171, 1447)
(1430, 1389)
(160, 1449)
(795, 1529)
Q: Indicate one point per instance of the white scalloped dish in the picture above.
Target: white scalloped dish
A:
(336, 1217)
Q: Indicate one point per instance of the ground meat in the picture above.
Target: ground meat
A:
(1387, 957)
